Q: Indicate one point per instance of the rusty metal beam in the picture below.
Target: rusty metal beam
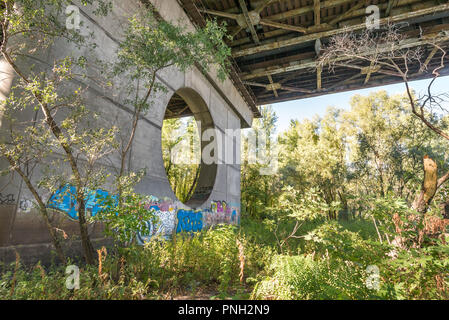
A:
(317, 12)
(319, 80)
(264, 4)
(429, 58)
(223, 14)
(277, 86)
(236, 31)
(369, 70)
(391, 5)
(298, 75)
(349, 85)
(248, 96)
(249, 21)
(273, 87)
(312, 64)
(255, 84)
(280, 61)
(284, 26)
(324, 34)
(307, 9)
(348, 13)
(352, 83)
(327, 22)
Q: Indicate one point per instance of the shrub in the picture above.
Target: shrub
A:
(123, 221)
(308, 277)
(332, 239)
(420, 273)
(209, 260)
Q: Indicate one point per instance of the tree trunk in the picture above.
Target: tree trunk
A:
(88, 249)
(42, 209)
(345, 210)
(445, 209)
(429, 186)
(195, 180)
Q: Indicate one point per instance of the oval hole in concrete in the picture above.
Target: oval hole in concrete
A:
(186, 120)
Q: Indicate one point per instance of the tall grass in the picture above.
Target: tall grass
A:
(246, 262)
(209, 261)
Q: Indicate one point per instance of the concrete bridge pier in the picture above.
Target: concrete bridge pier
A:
(217, 105)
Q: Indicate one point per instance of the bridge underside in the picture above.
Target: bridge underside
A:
(276, 43)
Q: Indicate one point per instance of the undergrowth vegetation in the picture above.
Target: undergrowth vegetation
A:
(329, 261)
(210, 261)
(302, 235)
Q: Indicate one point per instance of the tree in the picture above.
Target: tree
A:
(386, 144)
(389, 52)
(352, 156)
(258, 150)
(30, 27)
(313, 156)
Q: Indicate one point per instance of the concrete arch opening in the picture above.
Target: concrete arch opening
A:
(186, 112)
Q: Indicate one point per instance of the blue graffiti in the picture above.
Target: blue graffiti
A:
(167, 215)
(162, 226)
(64, 199)
(234, 216)
(189, 221)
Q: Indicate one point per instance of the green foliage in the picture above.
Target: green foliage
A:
(181, 151)
(123, 222)
(305, 206)
(364, 163)
(334, 266)
(42, 22)
(363, 166)
(331, 263)
(331, 238)
(305, 277)
(364, 228)
(417, 274)
(300, 208)
(313, 156)
(50, 108)
(62, 124)
(258, 192)
(375, 149)
(209, 261)
(152, 44)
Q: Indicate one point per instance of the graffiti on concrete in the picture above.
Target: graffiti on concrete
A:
(221, 212)
(189, 221)
(164, 225)
(64, 199)
(7, 199)
(170, 216)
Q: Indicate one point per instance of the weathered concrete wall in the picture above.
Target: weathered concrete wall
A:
(22, 228)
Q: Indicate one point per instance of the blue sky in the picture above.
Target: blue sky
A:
(308, 108)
